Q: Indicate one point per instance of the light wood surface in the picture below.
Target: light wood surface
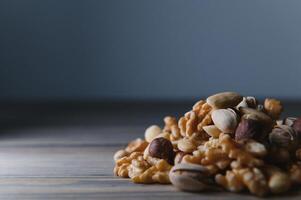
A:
(73, 159)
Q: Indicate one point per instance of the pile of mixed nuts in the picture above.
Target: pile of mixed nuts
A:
(228, 140)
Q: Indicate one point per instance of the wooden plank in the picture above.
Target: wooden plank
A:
(70, 136)
(103, 188)
(74, 161)
(56, 161)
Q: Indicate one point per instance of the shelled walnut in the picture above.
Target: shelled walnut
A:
(226, 140)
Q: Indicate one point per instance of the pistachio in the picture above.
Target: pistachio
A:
(179, 156)
(225, 120)
(297, 126)
(289, 121)
(248, 128)
(286, 121)
(256, 114)
(243, 103)
(162, 148)
(251, 101)
(189, 177)
(212, 130)
(247, 102)
(152, 132)
(283, 136)
(224, 100)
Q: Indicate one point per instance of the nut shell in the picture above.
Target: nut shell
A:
(189, 177)
(258, 114)
(297, 126)
(283, 136)
(212, 131)
(225, 120)
(224, 100)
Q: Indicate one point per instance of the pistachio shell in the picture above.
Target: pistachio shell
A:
(212, 130)
(243, 103)
(224, 100)
(284, 136)
(256, 114)
(289, 121)
(251, 101)
(189, 177)
(225, 120)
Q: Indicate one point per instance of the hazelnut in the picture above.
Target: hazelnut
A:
(163, 149)
(297, 126)
(284, 136)
(248, 128)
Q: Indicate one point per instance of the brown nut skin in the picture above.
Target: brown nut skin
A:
(297, 127)
(248, 128)
(163, 149)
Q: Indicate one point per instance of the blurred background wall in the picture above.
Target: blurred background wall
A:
(141, 49)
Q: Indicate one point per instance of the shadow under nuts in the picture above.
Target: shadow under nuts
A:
(162, 148)
(189, 177)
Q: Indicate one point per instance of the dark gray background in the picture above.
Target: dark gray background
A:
(141, 49)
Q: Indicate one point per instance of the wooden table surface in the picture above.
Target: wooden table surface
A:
(64, 151)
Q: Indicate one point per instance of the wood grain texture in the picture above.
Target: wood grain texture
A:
(68, 161)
